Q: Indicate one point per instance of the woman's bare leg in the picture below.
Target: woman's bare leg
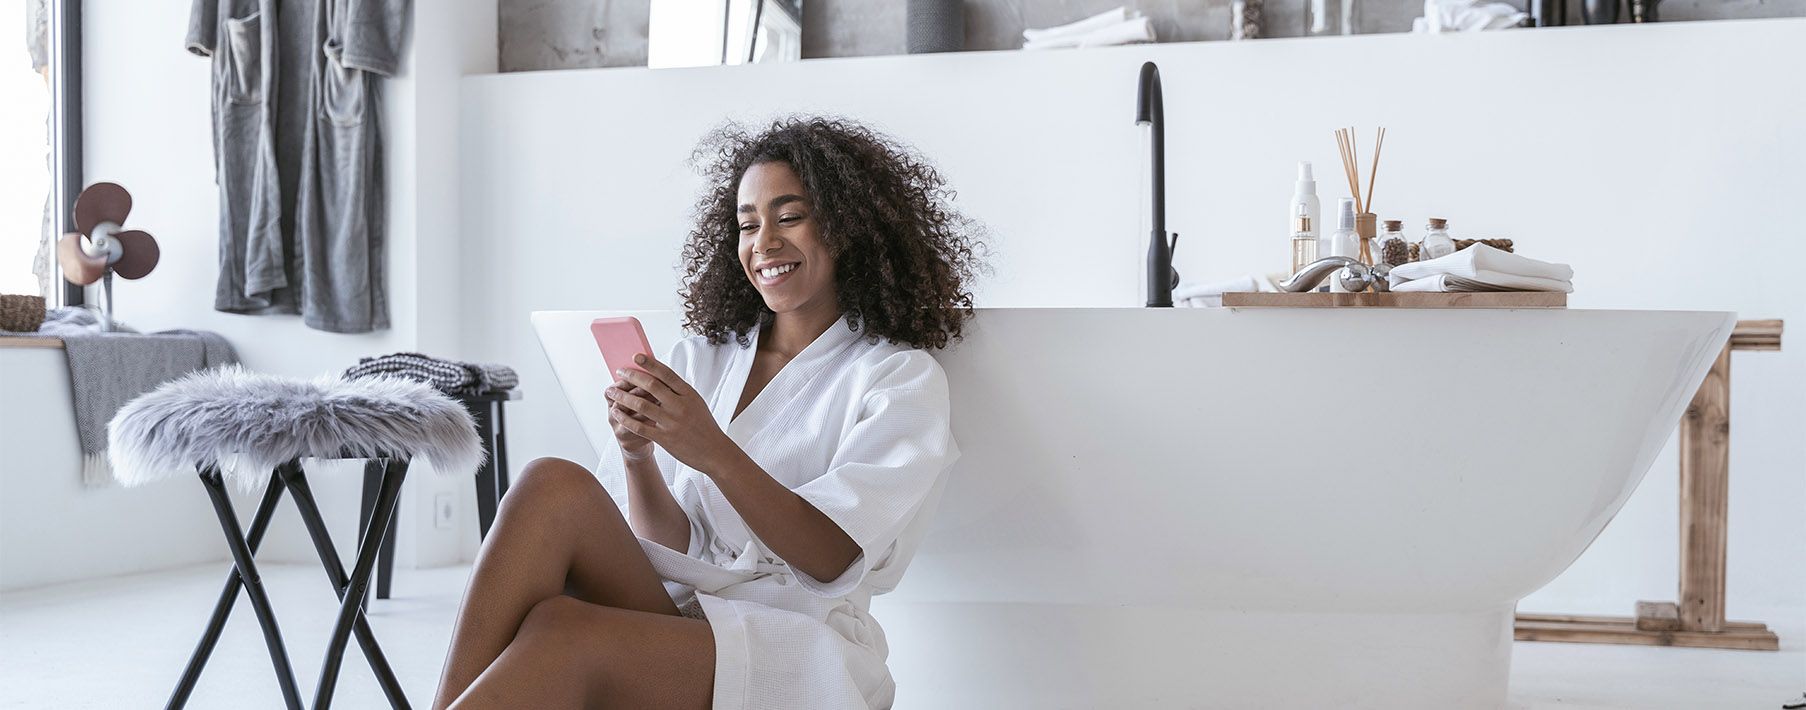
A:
(557, 529)
(573, 654)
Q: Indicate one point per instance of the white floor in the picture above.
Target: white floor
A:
(122, 642)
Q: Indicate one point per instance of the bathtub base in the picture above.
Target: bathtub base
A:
(947, 655)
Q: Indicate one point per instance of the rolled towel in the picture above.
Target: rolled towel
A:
(1466, 16)
(1075, 29)
(1474, 260)
(1210, 295)
(448, 376)
(1130, 31)
(494, 378)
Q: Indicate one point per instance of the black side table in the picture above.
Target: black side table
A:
(492, 478)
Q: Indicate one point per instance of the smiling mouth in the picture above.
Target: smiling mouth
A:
(774, 274)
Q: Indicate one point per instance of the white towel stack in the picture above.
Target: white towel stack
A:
(1482, 268)
(1466, 16)
(1105, 28)
(1210, 295)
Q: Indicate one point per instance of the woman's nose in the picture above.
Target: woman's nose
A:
(766, 242)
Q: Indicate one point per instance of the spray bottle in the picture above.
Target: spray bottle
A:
(1304, 205)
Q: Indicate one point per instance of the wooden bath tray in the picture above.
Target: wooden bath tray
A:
(1490, 299)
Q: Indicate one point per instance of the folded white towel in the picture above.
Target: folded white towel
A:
(1210, 295)
(1216, 288)
(1471, 261)
(1483, 281)
(1075, 29)
(1130, 31)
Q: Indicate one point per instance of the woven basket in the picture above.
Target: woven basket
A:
(21, 314)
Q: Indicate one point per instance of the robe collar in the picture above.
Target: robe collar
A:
(790, 382)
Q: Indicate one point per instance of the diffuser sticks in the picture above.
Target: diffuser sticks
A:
(1365, 221)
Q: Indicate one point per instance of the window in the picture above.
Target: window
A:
(40, 157)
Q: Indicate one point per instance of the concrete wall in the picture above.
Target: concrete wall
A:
(577, 34)
(1680, 205)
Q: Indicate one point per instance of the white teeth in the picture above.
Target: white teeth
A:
(776, 271)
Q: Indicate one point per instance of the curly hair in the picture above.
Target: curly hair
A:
(904, 259)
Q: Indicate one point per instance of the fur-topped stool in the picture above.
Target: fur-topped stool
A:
(251, 430)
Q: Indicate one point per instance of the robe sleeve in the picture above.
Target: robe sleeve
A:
(611, 470)
(371, 36)
(885, 466)
(203, 27)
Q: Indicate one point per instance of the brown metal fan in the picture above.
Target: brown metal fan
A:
(102, 248)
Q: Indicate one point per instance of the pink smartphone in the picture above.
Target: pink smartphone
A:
(620, 339)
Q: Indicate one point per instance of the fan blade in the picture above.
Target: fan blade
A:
(101, 202)
(78, 267)
(140, 256)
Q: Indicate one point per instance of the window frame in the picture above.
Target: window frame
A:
(66, 127)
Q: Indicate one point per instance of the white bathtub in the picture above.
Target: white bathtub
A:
(1202, 508)
(1267, 508)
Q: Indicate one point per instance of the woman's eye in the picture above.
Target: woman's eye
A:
(787, 219)
(748, 227)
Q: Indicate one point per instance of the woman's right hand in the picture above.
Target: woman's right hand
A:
(633, 446)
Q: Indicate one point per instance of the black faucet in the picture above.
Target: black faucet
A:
(1150, 111)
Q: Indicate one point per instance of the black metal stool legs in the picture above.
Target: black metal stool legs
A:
(350, 589)
(491, 481)
(260, 522)
(487, 477)
(247, 572)
(292, 474)
(352, 601)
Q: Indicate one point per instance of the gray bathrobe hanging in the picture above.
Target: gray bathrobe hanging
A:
(297, 149)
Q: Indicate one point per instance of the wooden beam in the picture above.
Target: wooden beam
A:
(1658, 616)
(1756, 335)
(1705, 462)
(30, 341)
(1737, 635)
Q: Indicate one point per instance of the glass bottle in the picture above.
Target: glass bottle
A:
(1436, 240)
(1304, 239)
(1393, 250)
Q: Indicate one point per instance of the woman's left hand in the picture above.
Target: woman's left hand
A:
(675, 417)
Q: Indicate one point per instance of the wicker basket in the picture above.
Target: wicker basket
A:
(21, 314)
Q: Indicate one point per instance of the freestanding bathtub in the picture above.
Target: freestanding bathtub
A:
(1252, 508)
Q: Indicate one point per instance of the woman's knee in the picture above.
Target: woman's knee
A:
(551, 620)
(601, 641)
(549, 480)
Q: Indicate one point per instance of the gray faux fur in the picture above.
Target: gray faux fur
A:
(251, 422)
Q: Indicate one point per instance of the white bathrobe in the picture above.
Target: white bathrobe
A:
(861, 431)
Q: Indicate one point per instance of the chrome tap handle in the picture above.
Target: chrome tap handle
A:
(1350, 273)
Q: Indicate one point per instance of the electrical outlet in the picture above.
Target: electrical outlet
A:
(445, 510)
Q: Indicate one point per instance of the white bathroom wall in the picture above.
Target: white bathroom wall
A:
(147, 126)
(1663, 162)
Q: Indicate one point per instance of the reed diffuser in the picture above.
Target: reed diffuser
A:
(1366, 224)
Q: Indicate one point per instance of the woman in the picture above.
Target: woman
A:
(773, 471)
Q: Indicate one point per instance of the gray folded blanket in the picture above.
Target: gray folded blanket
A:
(108, 369)
(448, 376)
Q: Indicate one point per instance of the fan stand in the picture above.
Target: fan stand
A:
(106, 312)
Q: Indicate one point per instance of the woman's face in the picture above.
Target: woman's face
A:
(780, 241)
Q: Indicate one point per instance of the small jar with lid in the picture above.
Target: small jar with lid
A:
(1393, 250)
(1436, 240)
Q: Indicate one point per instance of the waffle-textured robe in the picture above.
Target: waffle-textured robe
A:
(861, 431)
